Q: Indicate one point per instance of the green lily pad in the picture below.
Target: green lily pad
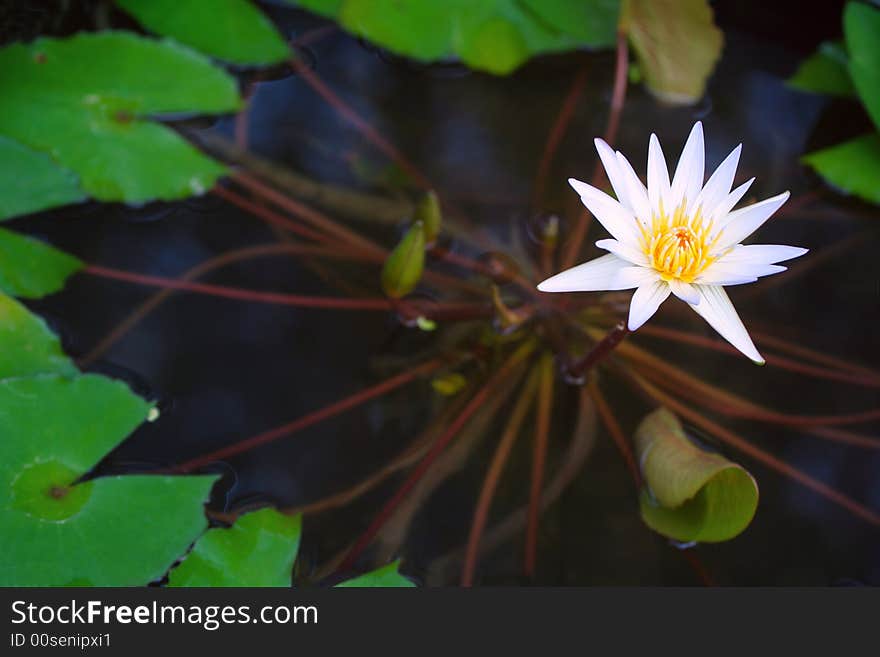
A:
(677, 43)
(31, 269)
(861, 27)
(109, 531)
(593, 23)
(30, 181)
(690, 494)
(232, 30)
(86, 101)
(489, 35)
(258, 550)
(28, 346)
(852, 167)
(384, 577)
(403, 267)
(825, 72)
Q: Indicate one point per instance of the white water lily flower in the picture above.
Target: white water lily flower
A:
(680, 237)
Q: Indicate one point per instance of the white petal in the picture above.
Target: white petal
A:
(633, 255)
(737, 273)
(715, 307)
(747, 220)
(635, 190)
(720, 213)
(645, 302)
(605, 273)
(684, 291)
(612, 170)
(658, 177)
(688, 179)
(616, 219)
(718, 186)
(765, 254)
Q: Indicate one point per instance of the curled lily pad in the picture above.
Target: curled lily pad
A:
(690, 494)
(258, 550)
(31, 269)
(57, 530)
(31, 181)
(677, 43)
(385, 577)
(87, 100)
(403, 267)
(232, 30)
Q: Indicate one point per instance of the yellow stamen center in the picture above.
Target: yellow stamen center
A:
(679, 246)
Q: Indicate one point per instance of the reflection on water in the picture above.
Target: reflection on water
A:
(236, 369)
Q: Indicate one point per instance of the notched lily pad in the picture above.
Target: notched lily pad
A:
(690, 494)
(258, 550)
(29, 347)
(109, 531)
(852, 167)
(31, 269)
(31, 181)
(87, 100)
(232, 30)
(385, 577)
(489, 35)
(825, 72)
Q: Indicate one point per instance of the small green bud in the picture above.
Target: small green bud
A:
(404, 266)
(428, 212)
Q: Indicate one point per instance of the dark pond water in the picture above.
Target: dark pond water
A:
(226, 370)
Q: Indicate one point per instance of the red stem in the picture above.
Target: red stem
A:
(616, 433)
(317, 219)
(557, 132)
(493, 476)
(539, 458)
(618, 97)
(370, 133)
(269, 216)
(773, 360)
(443, 441)
(239, 293)
(308, 420)
(601, 351)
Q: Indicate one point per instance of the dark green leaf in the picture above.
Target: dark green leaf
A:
(690, 494)
(403, 267)
(258, 550)
(852, 167)
(28, 346)
(384, 577)
(677, 43)
(594, 23)
(825, 72)
(30, 181)
(110, 531)
(31, 269)
(861, 27)
(86, 99)
(232, 30)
